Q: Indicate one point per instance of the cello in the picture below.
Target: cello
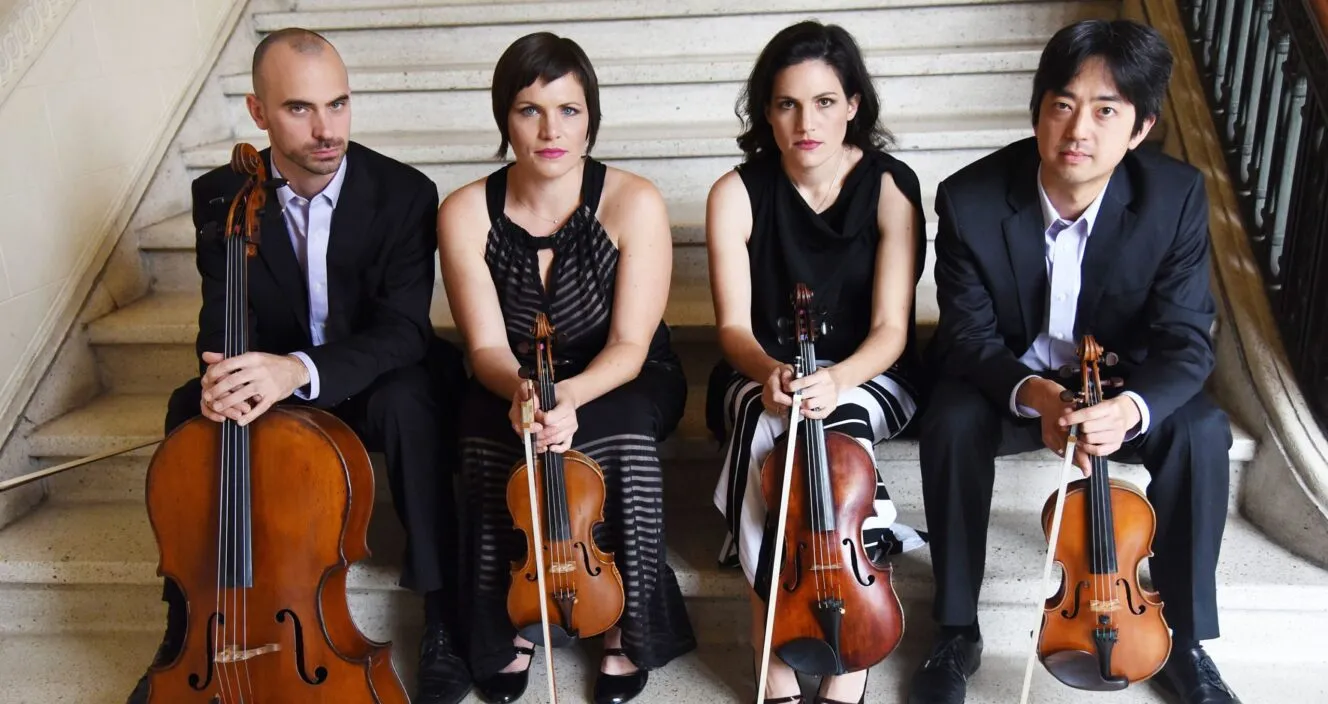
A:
(258, 525)
(837, 611)
(556, 499)
(1102, 630)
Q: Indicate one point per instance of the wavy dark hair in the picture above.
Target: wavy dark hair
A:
(808, 41)
(547, 56)
(1137, 56)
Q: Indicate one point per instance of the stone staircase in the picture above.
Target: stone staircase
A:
(79, 609)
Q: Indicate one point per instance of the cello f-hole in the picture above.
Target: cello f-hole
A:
(320, 672)
(194, 682)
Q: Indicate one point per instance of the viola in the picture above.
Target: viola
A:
(830, 609)
(258, 525)
(566, 586)
(1102, 630)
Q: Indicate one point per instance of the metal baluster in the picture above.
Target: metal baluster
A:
(1271, 102)
(1247, 126)
(1221, 86)
(1244, 30)
(1210, 21)
(1196, 18)
(1298, 92)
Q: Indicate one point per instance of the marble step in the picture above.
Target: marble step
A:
(101, 668)
(969, 80)
(454, 33)
(92, 568)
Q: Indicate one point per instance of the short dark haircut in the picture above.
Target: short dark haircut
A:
(303, 41)
(1136, 55)
(809, 41)
(541, 56)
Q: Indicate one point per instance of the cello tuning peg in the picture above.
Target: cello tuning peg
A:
(1111, 359)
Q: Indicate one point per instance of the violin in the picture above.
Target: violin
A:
(1102, 630)
(258, 525)
(837, 610)
(566, 587)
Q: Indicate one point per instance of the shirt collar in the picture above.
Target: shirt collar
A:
(332, 192)
(1050, 215)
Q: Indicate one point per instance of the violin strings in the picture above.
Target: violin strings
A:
(808, 365)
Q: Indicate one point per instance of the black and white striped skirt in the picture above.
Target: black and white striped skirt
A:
(871, 413)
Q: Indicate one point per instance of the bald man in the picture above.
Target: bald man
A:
(339, 299)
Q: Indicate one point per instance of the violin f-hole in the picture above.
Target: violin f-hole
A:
(320, 673)
(1129, 598)
(585, 557)
(857, 572)
(215, 619)
(1077, 588)
(796, 575)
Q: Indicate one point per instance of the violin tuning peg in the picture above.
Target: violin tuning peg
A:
(1116, 382)
(1111, 359)
(526, 372)
(1068, 370)
(1068, 396)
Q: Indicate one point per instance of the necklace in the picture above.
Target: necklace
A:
(838, 163)
(528, 209)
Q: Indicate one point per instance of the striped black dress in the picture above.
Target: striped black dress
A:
(619, 430)
(834, 254)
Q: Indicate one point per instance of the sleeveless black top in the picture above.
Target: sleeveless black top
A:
(833, 252)
(579, 298)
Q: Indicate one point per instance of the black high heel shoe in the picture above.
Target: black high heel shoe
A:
(794, 699)
(506, 687)
(861, 700)
(616, 689)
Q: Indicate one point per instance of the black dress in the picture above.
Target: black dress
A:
(834, 253)
(619, 430)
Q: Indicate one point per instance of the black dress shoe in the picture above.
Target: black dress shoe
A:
(616, 689)
(505, 687)
(1190, 677)
(166, 652)
(943, 677)
(443, 676)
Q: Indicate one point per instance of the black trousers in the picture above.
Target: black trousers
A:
(1186, 454)
(410, 415)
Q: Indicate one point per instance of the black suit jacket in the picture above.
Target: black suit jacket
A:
(1144, 292)
(380, 271)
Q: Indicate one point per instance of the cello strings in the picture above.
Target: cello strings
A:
(219, 638)
(246, 485)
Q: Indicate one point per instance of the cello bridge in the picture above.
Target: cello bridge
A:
(231, 655)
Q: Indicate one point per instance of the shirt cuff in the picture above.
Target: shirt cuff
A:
(1143, 416)
(309, 391)
(1020, 410)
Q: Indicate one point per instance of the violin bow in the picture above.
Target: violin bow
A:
(1062, 481)
(778, 558)
(528, 418)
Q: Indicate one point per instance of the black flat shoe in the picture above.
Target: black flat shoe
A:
(1190, 677)
(443, 676)
(861, 700)
(506, 687)
(943, 676)
(616, 689)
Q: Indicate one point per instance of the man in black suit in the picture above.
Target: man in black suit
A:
(339, 298)
(1068, 233)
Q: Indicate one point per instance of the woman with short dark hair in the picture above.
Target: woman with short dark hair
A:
(817, 201)
(559, 233)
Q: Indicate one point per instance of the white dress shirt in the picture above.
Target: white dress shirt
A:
(309, 223)
(1055, 345)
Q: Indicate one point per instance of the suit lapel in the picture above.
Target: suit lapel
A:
(351, 232)
(1106, 243)
(1026, 245)
(279, 257)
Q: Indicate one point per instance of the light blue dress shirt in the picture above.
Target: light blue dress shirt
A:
(309, 223)
(1055, 345)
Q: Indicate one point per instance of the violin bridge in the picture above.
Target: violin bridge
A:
(827, 568)
(562, 567)
(231, 655)
(1104, 606)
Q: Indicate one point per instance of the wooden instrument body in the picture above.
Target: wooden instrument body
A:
(1070, 619)
(312, 492)
(585, 588)
(828, 571)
